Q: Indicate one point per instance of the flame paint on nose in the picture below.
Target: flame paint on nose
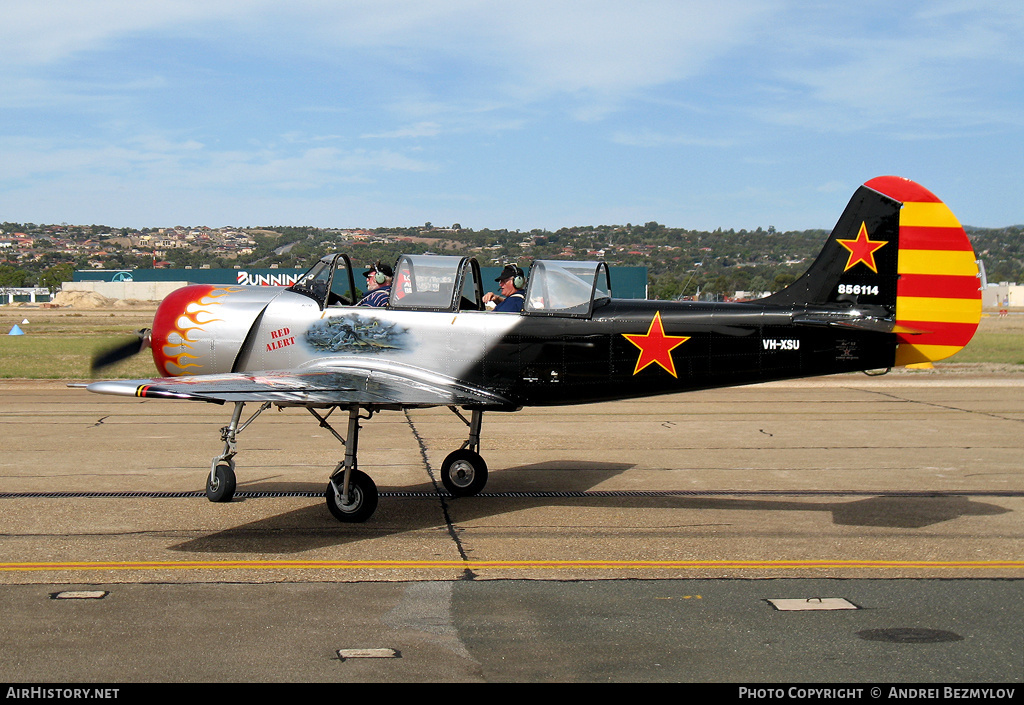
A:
(179, 324)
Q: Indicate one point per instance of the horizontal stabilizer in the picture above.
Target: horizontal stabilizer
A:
(874, 325)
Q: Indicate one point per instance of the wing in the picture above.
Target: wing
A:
(402, 387)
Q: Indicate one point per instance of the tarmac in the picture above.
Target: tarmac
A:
(631, 541)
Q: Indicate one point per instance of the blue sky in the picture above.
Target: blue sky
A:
(495, 114)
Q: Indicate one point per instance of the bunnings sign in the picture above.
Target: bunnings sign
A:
(245, 277)
(277, 277)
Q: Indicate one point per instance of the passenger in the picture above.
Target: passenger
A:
(512, 282)
(378, 285)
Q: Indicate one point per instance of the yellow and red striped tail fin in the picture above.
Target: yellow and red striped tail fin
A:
(938, 294)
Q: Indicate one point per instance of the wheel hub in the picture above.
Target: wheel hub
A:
(355, 498)
(463, 473)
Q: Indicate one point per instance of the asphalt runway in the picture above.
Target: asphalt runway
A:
(629, 541)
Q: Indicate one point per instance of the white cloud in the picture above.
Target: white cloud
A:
(189, 164)
(530, 48)
(34, 32)
(420, 129)
(650, 138)
(901, 66)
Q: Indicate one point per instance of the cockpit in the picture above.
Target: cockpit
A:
(329, 282)
(453, 283)
(437, 283)
(571, 289)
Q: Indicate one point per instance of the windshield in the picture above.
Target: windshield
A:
(429, 282)
(567, 288)
(329, 282)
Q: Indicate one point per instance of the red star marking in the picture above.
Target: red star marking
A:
(862, 249)
(656, 347)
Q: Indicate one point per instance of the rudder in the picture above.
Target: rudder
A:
(938, 293)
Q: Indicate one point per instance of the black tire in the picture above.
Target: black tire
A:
(463, 473)
(221, 487)
(362, 496)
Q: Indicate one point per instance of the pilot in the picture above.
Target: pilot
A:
(378, 285)
(512, 282)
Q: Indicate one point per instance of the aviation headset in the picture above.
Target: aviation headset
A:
(378, 276)
(518, 276)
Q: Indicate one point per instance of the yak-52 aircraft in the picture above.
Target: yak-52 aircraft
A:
(896, 284)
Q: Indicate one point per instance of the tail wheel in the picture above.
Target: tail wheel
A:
(464, 473)
(362, 499)
(220, 484)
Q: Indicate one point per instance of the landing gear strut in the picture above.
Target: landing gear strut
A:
(351, 494)
(220, 485)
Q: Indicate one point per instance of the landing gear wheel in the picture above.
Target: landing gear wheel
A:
(464, 473)
(362, 498)
(220, 486)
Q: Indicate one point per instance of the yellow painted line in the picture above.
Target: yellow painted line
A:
(921, 308)
(935, 215)
(515, 565)
(955, 262)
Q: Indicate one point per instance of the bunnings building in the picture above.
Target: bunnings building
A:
(155, 284)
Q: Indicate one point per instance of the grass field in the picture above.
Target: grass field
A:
(993, 347)
(59, 343)
(998, 340)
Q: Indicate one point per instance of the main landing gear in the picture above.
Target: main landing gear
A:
(351, 494)
(464, 472)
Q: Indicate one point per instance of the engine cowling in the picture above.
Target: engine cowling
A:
(200, 329)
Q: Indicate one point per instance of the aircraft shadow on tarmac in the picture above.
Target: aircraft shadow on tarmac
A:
(312, 527)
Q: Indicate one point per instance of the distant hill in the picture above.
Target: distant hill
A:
(679, 261)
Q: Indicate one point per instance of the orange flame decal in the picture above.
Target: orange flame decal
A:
(179, 323)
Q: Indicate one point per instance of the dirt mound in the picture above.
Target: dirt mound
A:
(81, 299)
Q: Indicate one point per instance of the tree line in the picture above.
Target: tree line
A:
(680, 262)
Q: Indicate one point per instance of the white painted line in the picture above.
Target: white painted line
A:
(81, 595)
(367, 653)
(812, 604)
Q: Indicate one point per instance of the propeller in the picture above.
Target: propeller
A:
(122, 351)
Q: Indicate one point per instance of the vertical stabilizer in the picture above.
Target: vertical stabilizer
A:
(858, 263)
